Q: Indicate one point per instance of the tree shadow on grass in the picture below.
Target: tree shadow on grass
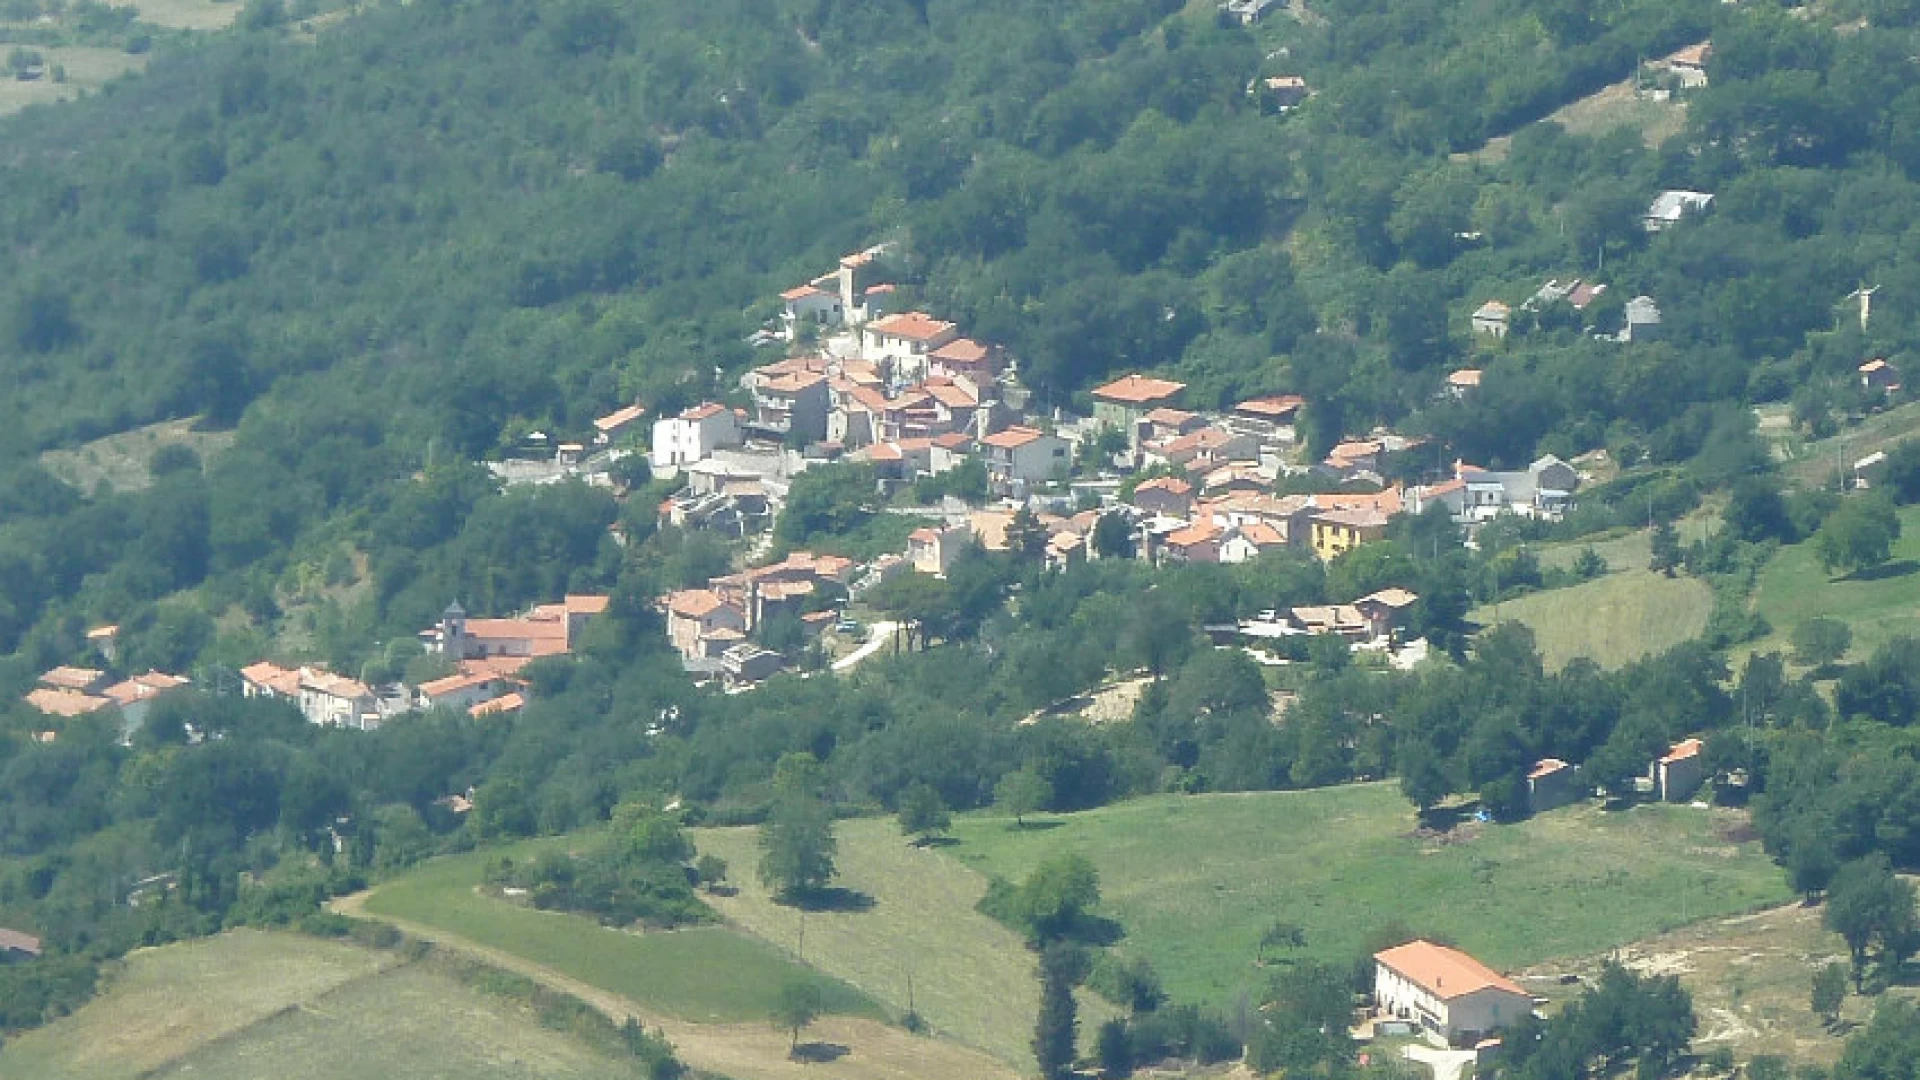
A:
(1898, 568)
(936, 842)
(1444, 818)
(832, 899)
(818, 1053)
(1097, 930)
(1035, 825)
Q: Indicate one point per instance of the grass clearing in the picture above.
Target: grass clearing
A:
(1603, 111)
(708, 974)
(1614, 620)
(87, 69)
(1626, 551)
(1196, 879)
(1794, 587)
(144, 1020)
(1618, 106)
(972, 979)
(1814, 462)
(408, 1023)
(122, 460)
(246, 1004)
(189, 14)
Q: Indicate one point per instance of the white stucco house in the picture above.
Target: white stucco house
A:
(694, 435)
(1446, 991)
(1669, 207)
(905, 341)
(1025, 455)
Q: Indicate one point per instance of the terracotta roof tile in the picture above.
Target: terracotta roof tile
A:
(1139, 389)
(65, 703)
(911, 325)
(1012, 438)
(1445, 973)
(620, 417)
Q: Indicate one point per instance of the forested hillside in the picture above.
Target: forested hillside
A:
(437, 226)
(380, 251)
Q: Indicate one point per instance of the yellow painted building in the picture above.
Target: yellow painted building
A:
(1337, 531)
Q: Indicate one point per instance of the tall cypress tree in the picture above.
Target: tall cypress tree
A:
(1055, 1030)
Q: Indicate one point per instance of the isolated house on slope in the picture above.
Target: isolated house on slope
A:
(1446, 991)
(1552, 783)
(1679, 772)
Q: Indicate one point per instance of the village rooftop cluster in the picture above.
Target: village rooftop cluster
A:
(911, 395)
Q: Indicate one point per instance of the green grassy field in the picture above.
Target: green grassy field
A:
(1615, 619)
(1794, 587)
(1196, 879)
(189, 14)
(1815, 462)
(971, 977)
(122, 459)
(708, 974)
(1627, 551)
(248, 1004)
(87, 69)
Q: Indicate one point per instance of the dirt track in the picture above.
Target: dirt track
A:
(872, 1051)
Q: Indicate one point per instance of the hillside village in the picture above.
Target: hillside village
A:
(909, 396)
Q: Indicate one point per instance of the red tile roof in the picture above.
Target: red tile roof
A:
(694, 603)
(962, 351)
(953, 397)
(1386, 502)
(1139, 390)
(326, 682)
(620, 417)
(506, 703)
(1169, 484)
(141, 687)
(1394, 597)
(1272, 407)
(282, 681)
(1194, 534)
(1012, 438)
(65, 702)
(1682, 750)
(1353, 519)
(1692, 55)
(15, 941)
(911, 325)
(71, 678)
(1262, 535)
(793, 382)
(1445, 973)
(1545, 767)
(453, 684)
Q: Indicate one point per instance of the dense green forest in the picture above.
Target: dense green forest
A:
(439, 226)
(382, 252)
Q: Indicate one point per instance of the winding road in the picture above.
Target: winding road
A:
(877, 637)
